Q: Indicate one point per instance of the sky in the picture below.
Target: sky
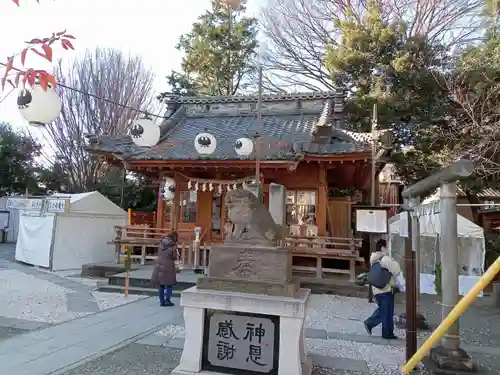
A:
(149, 28)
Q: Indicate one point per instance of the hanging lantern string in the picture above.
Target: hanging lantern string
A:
(146, 113)
(217, 182)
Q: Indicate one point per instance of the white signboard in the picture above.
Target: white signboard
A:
(57, 205)
(241, 342)
(16, 203)
(371, 220)
(34, 205)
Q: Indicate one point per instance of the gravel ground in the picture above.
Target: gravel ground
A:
(28, 297)
(132, 360)
(479, 325)
(142, 359)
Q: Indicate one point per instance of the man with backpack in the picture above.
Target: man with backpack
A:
(382, 277)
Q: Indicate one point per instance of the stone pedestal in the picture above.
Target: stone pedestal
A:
(250, 269)
(290, 312)
(451, 361)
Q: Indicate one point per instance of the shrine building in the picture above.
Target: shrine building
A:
(301, 141)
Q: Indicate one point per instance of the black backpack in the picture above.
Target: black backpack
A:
(379, 276)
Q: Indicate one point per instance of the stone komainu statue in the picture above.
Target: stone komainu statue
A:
(252, 221)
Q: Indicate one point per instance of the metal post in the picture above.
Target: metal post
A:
(449, 258)
(415, 243)
(373, 197)
(448, 356)
(122, 190)
(258, 138)
(415, 226)
(411, 295)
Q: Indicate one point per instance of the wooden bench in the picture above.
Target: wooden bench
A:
(326, 248)
(147, 238)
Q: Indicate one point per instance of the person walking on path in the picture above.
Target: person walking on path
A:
(384, 314)
(164, 274)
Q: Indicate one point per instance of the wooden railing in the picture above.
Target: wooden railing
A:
(322, 248)
(145, 242)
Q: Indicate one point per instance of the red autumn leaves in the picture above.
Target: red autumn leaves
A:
(42, 48)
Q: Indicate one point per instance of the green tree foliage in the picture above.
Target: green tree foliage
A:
(219, 53)
(139, 193)
(18, 167)
(378, 63)
(473, 131)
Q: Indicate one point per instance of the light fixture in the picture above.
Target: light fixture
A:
(168, 189)
(38, 106)
(145, 132)
(205, 143)
(243, 146)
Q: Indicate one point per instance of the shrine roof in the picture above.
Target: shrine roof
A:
(288, 128)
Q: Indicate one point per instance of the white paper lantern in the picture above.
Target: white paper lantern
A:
(168, 189)
(205, 144)
(38, 106)
(145, 132)
(243, 146)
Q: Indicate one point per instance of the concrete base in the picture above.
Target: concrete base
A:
(496, 293)
(291, 310)
(422, 325)
(452, 360)
(288, 289)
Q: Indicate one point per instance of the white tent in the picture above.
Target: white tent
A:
(63, 232)
(471, 246)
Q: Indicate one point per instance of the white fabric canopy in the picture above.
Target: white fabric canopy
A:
(67, 240)
(430, 223)
(471, 246)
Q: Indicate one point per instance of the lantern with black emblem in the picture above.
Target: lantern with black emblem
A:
(205, 143)
(243, 146)
(145, 132)
(168, 189)
(38, 106)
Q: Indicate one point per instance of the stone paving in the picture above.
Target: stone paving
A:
(60, 325)
(32, 298)
(61, 347)
(335, 339)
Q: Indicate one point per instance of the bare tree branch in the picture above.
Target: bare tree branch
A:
(474, 132)
(296, 32)
(104, 73)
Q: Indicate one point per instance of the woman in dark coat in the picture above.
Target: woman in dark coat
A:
(164, 273)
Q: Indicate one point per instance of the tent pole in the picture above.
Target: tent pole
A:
(128, 263)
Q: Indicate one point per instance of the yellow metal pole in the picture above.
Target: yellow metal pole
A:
(127, 275)
(452, 317)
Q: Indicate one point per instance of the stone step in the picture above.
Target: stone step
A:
(103, 270)
(142, 282)
(133, 290)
